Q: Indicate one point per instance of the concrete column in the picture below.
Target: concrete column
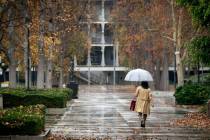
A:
(114, 65)
(88, 59)
(1, 101)
(89, 50)
(75, 60)
(114, 71)
(102, 33)
(102, 11)
(102, 57)
(116, 54)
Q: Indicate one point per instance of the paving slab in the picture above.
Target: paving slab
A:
(103, 111)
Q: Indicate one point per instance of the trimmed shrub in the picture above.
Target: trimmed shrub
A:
(29, 120)
(54, 98)
(192, 94)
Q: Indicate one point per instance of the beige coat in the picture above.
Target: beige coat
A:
(143, 100)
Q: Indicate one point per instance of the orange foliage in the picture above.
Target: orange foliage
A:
(141, 27)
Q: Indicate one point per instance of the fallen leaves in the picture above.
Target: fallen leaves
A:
(62, 137)
(197, 120)
(57, 137)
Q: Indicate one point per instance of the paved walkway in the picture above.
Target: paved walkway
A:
(103, 111)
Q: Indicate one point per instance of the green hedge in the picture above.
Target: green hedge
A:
(192, 94)
(54, 98)
(21, 120)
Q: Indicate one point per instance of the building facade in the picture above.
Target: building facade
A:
(102, 65)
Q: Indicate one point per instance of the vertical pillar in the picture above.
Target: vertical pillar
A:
(102, 11)
(89, 64)
(102, 33)
(88, 59)
(102, 57)
(75, 61)
(89, 49)
(116, 54)
(102, 24)
(114, 65)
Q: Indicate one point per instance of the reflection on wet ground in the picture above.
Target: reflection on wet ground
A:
(103, 111)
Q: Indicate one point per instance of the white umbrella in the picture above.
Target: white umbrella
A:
(138, 75)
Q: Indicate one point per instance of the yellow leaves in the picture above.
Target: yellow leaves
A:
(136, 37)
(49, 43)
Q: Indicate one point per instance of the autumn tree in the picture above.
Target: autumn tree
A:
(152, 33)
(43, 26)
(10, 40)
(74, 41)
(143, 28)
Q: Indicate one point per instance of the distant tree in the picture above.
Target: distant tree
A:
(199, 50)
(199, 10)
(199, 47)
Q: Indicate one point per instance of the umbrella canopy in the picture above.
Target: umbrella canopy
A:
(138, 75)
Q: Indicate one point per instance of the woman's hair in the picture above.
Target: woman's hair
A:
(145, 84)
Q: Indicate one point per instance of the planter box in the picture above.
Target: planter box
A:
(17, 137)
(1, 101)
(4, 84)
(55, 111)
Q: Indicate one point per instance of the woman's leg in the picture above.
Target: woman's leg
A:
(140, 114)
(145, 117)
(144, 120)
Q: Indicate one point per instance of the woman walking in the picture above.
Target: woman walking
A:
(143, 100)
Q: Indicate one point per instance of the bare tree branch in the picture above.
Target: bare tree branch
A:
(169, 38)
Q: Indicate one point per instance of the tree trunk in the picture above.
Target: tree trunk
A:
(49, 75)
(49, 62)
(25, 47)
(41, 64)
(174, 36)
(40, 71)
(12, 76)
(26, 42)
(157, 75)
(179, 65)
(61, 68)
(49, 70)
(11, 50)
(61, 78)
(180, 72)
(164, 75)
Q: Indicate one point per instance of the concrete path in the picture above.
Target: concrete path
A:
(103, 111)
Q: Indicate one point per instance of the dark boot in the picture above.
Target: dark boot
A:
(143, 123)
(144, 120)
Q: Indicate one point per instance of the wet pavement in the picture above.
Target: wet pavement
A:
(103, 111)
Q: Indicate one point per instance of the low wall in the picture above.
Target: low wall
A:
(18, 137)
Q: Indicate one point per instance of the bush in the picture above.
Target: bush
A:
(192, 94)
(28, 120)
(54, 98)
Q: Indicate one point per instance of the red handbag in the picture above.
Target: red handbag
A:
(133, 104)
